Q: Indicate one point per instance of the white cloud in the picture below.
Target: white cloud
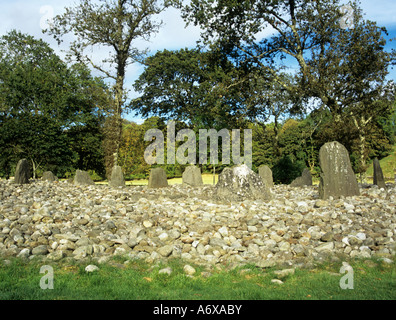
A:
(174, 34)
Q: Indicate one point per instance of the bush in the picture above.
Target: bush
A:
(285, 170)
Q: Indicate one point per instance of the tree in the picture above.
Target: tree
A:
(43, 101)
(308, 32)
(116, 25)
(266, 100)
(190, 86)
(353, 69)
(299, 26)
(132, 150)
(263, 144)
(37, 138)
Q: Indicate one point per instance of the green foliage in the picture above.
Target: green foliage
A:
(344, 69)
(285, 170)
(190, 86)
(50, 113)
(117, 25)
(388, 124)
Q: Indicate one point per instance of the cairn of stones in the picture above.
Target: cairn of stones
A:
(239, 221)
(240, 183)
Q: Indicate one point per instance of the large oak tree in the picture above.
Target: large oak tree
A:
(47, 108)
(343, 67)
(115, 25)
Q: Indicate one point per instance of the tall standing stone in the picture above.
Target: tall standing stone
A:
(192, 176)
(337, 178)
(157, 178)
(82, 178)
(266, 174)
(378, 175)
(304, 180)
(241, 183)
(117, 177)
(22, 172)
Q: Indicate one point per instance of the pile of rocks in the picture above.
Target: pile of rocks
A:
(59, 219)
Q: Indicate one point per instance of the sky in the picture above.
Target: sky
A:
(30, 16)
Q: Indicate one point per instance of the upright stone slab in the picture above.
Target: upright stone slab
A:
(192, 176)
(22, 172)
(378, 175)
(266, 174)
(337, 178)
(49, 176)
(304, 180)
(241, 183)
(117, 177)
(157, 178)
(82, 178)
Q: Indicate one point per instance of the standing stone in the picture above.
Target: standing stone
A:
(337, 178)
(192, 176)
(378, 175)
(157, 178)
(266, 174)
(304, 180)
(240, 183)
(49, 176)
(22, 172)
(117, 177)
(82, 178)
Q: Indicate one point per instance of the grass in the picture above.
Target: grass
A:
(139, 281)
(388, 165)
(206, 177)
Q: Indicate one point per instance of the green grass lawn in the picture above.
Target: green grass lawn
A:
(388, 165)
(140, 281)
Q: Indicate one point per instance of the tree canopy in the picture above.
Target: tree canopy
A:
(115, 25)
(44, 103)
(189, 85)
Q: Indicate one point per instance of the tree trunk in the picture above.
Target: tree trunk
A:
(119, 92)
(362, 151)
(361, 124)
(34, 167)
(113, 129)
(276, 138)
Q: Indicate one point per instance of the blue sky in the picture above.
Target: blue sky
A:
(30, 17)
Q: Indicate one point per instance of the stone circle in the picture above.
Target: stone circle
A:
(54, 222)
